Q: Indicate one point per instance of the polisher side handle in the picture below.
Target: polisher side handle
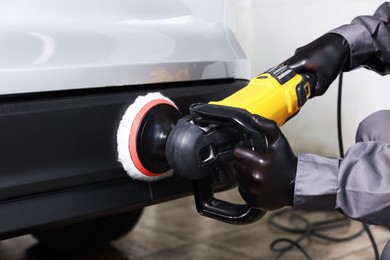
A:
(209, 206)
(206, 203)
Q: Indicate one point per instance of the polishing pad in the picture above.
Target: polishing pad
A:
(142, 134)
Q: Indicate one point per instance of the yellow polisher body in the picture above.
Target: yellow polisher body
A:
(276, 95)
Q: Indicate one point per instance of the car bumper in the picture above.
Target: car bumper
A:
(59, 159)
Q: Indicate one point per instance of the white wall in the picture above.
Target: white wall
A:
(271, 30)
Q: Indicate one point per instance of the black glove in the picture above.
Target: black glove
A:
(266, 180)
(326, 57)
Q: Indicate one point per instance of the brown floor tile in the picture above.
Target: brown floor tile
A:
(196, 251)
(145, 241)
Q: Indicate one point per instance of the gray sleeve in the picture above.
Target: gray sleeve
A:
(358, 186)
(369, 40)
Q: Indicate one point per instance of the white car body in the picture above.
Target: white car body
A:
(60, 45)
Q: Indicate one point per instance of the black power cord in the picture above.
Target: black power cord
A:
(339, 125)
(317, 228)
(310, 229)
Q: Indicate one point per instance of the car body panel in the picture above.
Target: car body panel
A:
(64, 45)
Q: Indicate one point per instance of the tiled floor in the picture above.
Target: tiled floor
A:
(174, 230)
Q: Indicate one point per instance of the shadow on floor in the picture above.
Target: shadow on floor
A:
(38, 252)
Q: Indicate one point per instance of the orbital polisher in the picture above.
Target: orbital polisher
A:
(155, 140)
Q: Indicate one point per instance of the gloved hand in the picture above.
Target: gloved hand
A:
(266, 180)
(326, 57)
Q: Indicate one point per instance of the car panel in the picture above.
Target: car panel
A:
(49, 47)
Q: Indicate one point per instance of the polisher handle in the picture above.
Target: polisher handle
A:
(201, 145)
(206, 203)
(209, 206)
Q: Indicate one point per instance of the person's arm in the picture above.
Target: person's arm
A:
(368, 38)
(364, 42)
(357, 186)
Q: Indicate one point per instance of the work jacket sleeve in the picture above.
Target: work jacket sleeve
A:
(357, 186)
(369, 40)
